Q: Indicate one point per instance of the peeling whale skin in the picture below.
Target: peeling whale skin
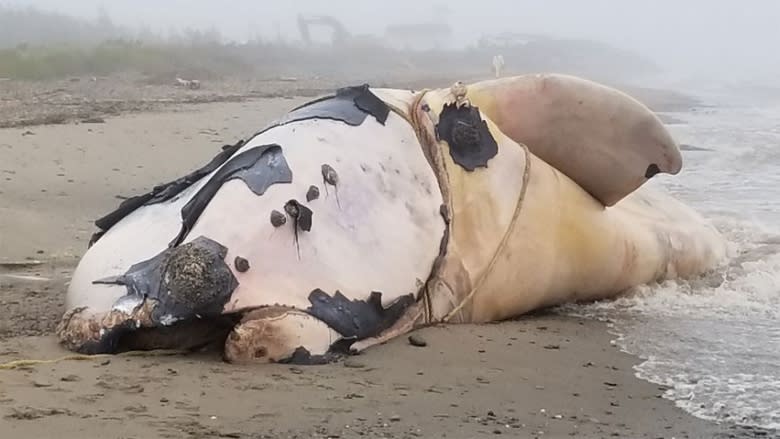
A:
(363, 215)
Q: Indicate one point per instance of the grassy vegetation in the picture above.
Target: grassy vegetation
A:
(214, 60)
(38, 45)
(52, 62)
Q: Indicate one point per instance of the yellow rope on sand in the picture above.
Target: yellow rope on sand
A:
(17, 364)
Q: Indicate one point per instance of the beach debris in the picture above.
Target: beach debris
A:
(192, 84)
(27, 263)
(25, 277)
(30, 413)
(93, 120)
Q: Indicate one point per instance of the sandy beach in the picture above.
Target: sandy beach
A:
(541, 376)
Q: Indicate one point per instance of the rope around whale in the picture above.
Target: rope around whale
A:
(435, 156)
(504, 239)
(17, 364)
(445, 191)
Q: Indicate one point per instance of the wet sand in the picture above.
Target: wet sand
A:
(540, 376)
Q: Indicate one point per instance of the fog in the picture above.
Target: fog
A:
(708, 39)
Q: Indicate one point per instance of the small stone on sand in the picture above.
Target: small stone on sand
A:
(354, 364)
(416, 340)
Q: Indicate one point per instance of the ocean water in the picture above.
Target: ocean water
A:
(715, 342)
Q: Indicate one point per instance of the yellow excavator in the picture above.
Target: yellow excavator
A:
(339, 34)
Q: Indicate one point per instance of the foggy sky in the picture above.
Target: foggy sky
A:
(716, 38)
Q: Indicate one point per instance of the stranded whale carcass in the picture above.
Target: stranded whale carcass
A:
(366, 214)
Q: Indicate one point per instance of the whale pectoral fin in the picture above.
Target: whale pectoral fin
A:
(604, 140)
(280, 335)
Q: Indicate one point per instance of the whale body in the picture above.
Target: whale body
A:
(367, 213)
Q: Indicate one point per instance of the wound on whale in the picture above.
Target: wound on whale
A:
(470, 141)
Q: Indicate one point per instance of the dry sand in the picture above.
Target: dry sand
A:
(29, 103)
(541, 376)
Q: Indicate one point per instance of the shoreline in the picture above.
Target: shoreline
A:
(56, 180)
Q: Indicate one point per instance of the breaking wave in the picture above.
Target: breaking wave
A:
(715, 341)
